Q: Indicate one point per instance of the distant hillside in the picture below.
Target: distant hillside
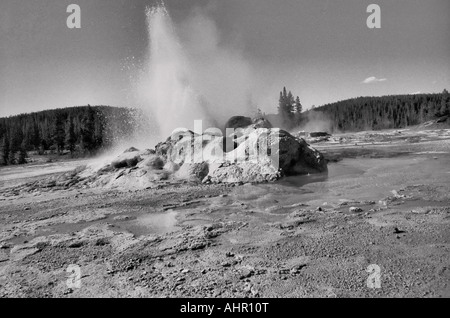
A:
(80, 130)
(374, 113)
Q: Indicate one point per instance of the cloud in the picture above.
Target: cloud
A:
(416, 93)
(373, 79)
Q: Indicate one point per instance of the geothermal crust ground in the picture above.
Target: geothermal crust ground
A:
(383, 201)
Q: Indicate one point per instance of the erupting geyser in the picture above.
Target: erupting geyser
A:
(166, 86)
(191, 75)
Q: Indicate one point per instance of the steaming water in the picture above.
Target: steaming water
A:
(344, 168)
(185, 76)
(166, 86)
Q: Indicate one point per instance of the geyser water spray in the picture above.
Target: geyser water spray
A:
(166, 86)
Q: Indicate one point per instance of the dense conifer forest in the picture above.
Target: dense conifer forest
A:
(86, 130)
(387, 112)
(366, 113)
(80, 131)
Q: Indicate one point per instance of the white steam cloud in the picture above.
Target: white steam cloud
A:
(189, 75)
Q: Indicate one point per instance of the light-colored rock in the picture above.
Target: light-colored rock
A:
(171, 167)
(153, 161)
(256, 155)
(193, 171)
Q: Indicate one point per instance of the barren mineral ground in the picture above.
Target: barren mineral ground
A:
(385, 201)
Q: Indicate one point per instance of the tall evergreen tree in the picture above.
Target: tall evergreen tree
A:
(298, 106)
(22, 159)
(281, 102)
(71, 139)
(5, 150)
(59, 133)
(15, 143)
(88, 130)
(286, 106)
(35, 139)
(290, 103)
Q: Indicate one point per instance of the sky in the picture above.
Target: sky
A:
(321, 50)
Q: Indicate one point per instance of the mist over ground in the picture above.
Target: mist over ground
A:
(315, 122)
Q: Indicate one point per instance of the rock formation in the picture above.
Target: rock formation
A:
(254, 152)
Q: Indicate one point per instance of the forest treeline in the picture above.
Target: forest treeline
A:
(80, 131)
(86, 130)
(365, 113)
(387, 112)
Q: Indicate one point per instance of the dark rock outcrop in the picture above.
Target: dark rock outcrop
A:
(261, 122)
(126, 160)
(238, 122)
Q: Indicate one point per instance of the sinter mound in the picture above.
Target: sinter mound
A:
(256, 153)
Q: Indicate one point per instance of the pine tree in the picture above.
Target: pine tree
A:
(422, 113)
(88, 130)
(281, 102)
(298, 106)
(15, 143)
(43, 146)
(22, 159)
(12, 157)
(290, 103)
(59, 133)
(286, 106)
(35, 139)
(71, 139)
(13, 148)
(5, 150)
